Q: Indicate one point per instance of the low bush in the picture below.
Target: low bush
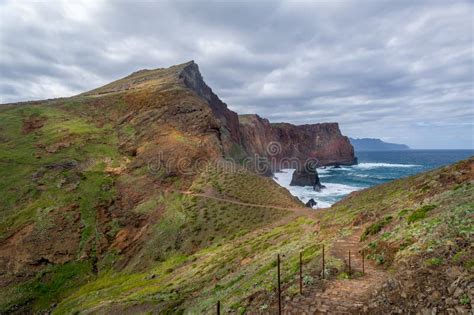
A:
(420, 213)
(376, 227)
(435, 261)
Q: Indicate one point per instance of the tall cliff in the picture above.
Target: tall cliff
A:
(322, 142)
(175, 115)
(177, 99)
(229, 120)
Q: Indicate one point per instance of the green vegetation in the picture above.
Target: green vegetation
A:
(404, 212)
(48, 286)
(376, 227)
(227, 271)
(136, 241)
(239, 184)
(38, 179)
(53, 167)
(465, 300)
(420, 213)
(435, 261)
(343, 276)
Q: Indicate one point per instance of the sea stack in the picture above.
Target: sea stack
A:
(307, 176)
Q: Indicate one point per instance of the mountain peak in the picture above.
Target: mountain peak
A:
(145, 78)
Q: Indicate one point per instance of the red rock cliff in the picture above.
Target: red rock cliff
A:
(230, 133)
(323, 142)
(169, 104)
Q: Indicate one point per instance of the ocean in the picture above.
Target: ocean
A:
(375, 167)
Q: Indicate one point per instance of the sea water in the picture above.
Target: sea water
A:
(375, 167)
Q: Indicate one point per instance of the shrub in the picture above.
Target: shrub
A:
(343, 276)
(379, 259)
(469, 265)
(465, 300)
(435, 261)
(420, 213)
(403, 212)
(308, 280)
(376, 227)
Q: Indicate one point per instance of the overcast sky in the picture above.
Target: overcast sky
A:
(402, 71)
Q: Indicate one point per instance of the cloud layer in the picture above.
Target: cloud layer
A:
(398, 70)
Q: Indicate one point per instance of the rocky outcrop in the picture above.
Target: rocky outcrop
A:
(178, 123)
(177, 115)
(421, 289)
(311, 203)
(286, 143)
(230, 134)
(307, 176)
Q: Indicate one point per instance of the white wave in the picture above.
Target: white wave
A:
(333, 189)
(339, 168)
(284, 177)
(323, 170)
(325, 198)
(385, 165)
(359, 175)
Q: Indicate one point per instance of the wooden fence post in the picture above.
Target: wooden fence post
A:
(301, 272)
(323, 264)
(279, 286)
(349, 263)
(363, 264)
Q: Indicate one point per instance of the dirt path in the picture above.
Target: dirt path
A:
(340, 296)
(303, 211)
(337, 296)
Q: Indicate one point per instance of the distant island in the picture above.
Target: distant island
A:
(372, 144)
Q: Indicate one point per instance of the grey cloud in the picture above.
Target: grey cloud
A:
(390, 69)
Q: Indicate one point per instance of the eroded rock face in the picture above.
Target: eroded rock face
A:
(230, 133)
(177, 101)
(287, 143)
(307, 177)
(311, 203)
(31, 248)
(237, 136)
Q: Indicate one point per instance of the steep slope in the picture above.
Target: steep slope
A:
(87, 183)
(176, 77)
(174, 108)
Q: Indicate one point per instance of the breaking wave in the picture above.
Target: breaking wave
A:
(384, 165)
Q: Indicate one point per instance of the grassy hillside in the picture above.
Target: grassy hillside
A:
(78, 205)
(202, 250)
(236, 183)
(239, 271)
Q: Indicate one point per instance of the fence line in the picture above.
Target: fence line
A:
(323, 276)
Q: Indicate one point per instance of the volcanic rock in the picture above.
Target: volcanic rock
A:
(307, 176)
(286, 145)
(311, 203)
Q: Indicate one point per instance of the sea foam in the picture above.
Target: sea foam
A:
(325, 198)
(385, 165)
